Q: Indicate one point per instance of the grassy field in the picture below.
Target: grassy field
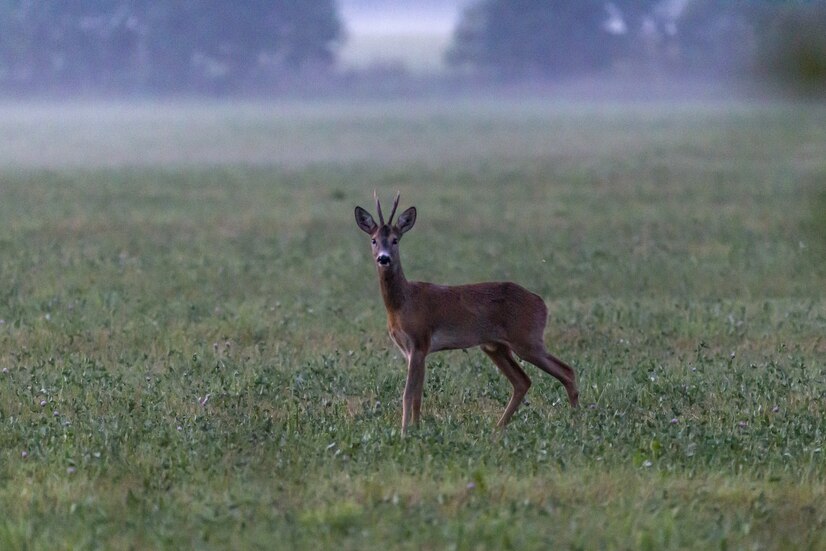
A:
(194, 354)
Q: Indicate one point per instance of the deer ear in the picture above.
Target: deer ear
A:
(406, 220)
(364, 221)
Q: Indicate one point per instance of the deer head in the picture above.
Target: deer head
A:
(385, 236)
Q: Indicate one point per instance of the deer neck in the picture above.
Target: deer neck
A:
(393, 287)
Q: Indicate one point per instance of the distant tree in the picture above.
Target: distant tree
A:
(518, 38)
(155, 44)
(225, 42)
(717, 36)
(521, 38)
(737, 37)
(644, 26)
(792, 46)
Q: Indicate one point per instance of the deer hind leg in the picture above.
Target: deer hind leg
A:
(538, 356)
(504, 360)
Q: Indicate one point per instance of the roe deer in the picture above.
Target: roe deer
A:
(502, 317)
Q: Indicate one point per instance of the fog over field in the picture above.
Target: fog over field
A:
(297, 134)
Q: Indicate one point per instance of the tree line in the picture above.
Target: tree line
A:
(216, 46)
(158, 45)
(551, 38)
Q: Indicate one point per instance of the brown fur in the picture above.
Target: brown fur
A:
(501, 317)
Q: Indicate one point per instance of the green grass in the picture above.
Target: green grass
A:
(153, 259)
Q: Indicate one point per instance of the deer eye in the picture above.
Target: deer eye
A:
(373, 241)
(395, 241)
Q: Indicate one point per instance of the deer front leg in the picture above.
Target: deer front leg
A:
(413, 389)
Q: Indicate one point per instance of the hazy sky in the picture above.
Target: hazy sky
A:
(398, 16)
(413, 33)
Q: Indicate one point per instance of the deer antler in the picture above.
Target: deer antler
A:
(378, 207)
(395, 204)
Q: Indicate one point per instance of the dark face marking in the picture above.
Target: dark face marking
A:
(385, 244)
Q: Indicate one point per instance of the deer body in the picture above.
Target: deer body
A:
(502, 318)
(467, 315)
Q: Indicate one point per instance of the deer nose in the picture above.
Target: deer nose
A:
(383, 259)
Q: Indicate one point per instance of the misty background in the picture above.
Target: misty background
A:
(151, 48)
